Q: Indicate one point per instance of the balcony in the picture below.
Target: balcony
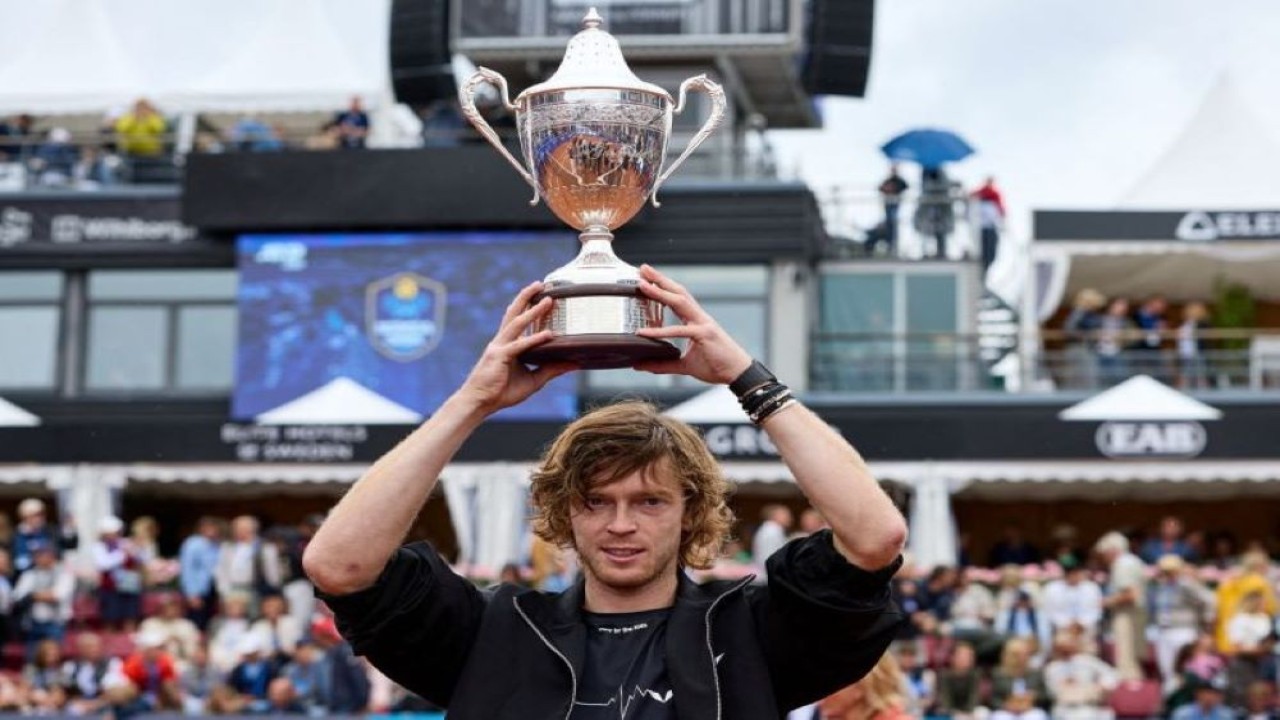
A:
(750, 45)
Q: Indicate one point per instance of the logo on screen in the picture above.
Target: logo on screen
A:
(404, 315)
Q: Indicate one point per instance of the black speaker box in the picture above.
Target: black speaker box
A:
(421, 52)
(838, 57)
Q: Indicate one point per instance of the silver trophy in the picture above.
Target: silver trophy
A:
(595, 137)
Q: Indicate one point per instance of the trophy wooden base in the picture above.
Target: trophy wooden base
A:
(600, 351)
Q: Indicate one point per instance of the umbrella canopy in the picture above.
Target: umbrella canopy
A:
(928, 147)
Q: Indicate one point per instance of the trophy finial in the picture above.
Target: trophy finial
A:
(592, 20)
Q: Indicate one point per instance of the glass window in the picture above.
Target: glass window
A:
(932, 346)
(29, 347)
(30, 322)
(857, 318)
(127, 348)
(44, 285)
(160, 330)
(166, 285)
(206, 339)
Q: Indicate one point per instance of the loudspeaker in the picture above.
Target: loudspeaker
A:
(421, 52)
(838, 57)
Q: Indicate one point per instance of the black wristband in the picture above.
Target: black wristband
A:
(759, 397)
(753, 377)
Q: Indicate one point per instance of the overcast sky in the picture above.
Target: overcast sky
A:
(1067, 101)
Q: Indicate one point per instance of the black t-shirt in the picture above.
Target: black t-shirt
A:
(624, 675)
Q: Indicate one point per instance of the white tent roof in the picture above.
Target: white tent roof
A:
(341, 401)
(717, 405)
(1224, 159)
(13, 416)
(1139, 398)
(73, 56)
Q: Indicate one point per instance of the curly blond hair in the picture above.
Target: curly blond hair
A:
(611, 442)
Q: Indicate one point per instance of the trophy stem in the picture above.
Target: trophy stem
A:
(597, 251)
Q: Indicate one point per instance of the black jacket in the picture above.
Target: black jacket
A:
(735, 650)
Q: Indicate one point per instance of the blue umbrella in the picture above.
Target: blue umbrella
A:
(930, 148)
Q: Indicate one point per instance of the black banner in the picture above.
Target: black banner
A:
(982, 431)
(1191, 225)
(84, 226)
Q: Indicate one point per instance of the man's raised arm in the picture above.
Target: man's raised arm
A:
(355, 542)
(869, 530)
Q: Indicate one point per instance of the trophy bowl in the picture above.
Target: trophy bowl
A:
(594, 138)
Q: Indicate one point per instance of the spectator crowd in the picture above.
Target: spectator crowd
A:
(1109, 340)
(229, 626)
(1175, 625)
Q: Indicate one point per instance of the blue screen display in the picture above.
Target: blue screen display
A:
(405, 316)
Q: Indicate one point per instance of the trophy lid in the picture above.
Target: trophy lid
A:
(594, 60)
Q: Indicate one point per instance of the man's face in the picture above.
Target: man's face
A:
(628, 532)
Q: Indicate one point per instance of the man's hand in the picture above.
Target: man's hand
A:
(712, 356)
(498, 379)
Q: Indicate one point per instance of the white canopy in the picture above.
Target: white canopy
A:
(1224, 159)
(13, 416)
(79, 56)
(341, 401)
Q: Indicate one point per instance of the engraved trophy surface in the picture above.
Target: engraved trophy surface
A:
(593, 138)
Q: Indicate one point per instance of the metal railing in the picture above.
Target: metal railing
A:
(1246, 359)
(91, 163)
(860, 225)
(483, 19)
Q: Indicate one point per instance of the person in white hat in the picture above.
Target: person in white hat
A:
(33, 529)
(119, 576)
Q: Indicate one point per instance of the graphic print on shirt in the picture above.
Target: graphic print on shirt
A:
(625, 670)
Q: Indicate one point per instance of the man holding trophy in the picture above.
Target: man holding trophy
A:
(636, 494)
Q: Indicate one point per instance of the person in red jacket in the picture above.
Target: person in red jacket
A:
(152, 676)
(991, 215)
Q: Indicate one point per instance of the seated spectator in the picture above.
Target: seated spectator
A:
(282, 699)
(95, 168)
(44, 678)
(251, 134)
(1251, 634)
(920, 681)
(1077, 681)
(182, 637)
(34, 530)
(198, 680)
(1025, 621)
(278, 631)
(1013, 549)
(86, 675)
(310, 676)
(1260, 702)
(253, 675)
(1073, 602)
(1208, 703)
(353, 125)
(151, 678)
(43, 596)
(1169, 542)
(1253, 575)
(55, 158)
(227, 633)
(348, 676)
(119, 576)
(140, 132)
(1018, 690)
(960, 685)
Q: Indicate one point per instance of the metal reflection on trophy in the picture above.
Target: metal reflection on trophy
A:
(593, 138)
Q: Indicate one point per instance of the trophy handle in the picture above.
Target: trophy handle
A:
(467, 99)
(718, 106)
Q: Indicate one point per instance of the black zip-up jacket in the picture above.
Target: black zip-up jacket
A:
(734, 650)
